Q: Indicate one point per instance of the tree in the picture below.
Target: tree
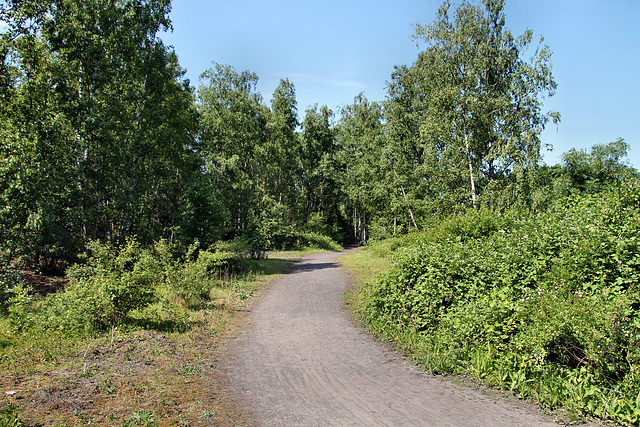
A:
(594, 170)
(480, 102)
(232, 137)
(280, 154)
(100, 125)
(361, 139)
(34, 175)
(320, 190)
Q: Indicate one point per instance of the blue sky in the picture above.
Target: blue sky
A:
(331, 50)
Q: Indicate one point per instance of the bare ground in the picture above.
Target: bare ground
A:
(302, 361)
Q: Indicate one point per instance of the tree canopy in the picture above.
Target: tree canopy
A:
(104, 139)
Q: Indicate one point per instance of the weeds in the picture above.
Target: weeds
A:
(140, 418)
(95, 370)
(9, 416)
(545, 305)
(189, 370)
(106, 387)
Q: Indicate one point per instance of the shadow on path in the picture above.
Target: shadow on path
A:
(301, 267)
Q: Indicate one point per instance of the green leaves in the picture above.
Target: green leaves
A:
(593, 171)
(543, 304)
(468, 112)
(97, 124)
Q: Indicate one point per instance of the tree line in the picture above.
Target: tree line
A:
(103, 137)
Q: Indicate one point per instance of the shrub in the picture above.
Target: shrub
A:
(196, 278)
(192, 276)
(15, 297)
(103, 291)
(318, 241)
(9, 279)
(545, 304)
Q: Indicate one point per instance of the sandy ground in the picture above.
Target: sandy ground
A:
(303, 362)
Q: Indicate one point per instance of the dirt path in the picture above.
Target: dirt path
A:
(302, 362)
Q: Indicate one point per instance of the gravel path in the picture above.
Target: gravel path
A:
(303, 362)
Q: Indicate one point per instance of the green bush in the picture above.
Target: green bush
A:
(252, 243)
(9, 279)
(103, 291)
(544, 304)
(15, 297)
(196, 278)
(317, 241)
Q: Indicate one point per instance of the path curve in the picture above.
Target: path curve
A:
(303, 362)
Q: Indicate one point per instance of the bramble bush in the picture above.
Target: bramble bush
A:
(545, 304)
(116, 285)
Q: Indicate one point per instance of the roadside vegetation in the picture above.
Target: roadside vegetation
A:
(544, 304)
(131, 337)
(136, 212)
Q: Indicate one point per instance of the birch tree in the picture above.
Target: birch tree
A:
(482, 98)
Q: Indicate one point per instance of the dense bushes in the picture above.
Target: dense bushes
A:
(115, 285)
(119, 285)
(256, 240)
(545, 304)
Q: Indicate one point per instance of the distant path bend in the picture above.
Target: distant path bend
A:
(303, 362)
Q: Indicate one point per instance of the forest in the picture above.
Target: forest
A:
(124, 182)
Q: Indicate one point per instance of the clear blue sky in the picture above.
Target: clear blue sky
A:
(331, 50)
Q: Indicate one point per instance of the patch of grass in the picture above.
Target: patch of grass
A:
(363, 265)
(206, 414)
(105, 386)
(9, 416)
(190, 370)
(140, 418)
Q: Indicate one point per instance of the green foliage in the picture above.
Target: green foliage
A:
(594, 171)
(251, 242)
(9, 416)
(19, 307)
(126, 285)
(97, 128)
(105, 386)
(475, 224)
(191, 278)
(15, 297)
(360, 135)
(317, 241)
(545, 304)
(9, 280)
(468, 111)
(112, 283)
(274, 230)
(140, 418)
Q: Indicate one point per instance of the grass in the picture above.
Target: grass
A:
(132, 376)
(363, 265)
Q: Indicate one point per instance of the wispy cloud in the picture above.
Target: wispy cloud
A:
(320, 79)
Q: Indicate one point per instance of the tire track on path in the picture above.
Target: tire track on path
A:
(303, 362)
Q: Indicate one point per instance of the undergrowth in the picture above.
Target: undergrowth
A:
(134, 327)
(543, 304)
